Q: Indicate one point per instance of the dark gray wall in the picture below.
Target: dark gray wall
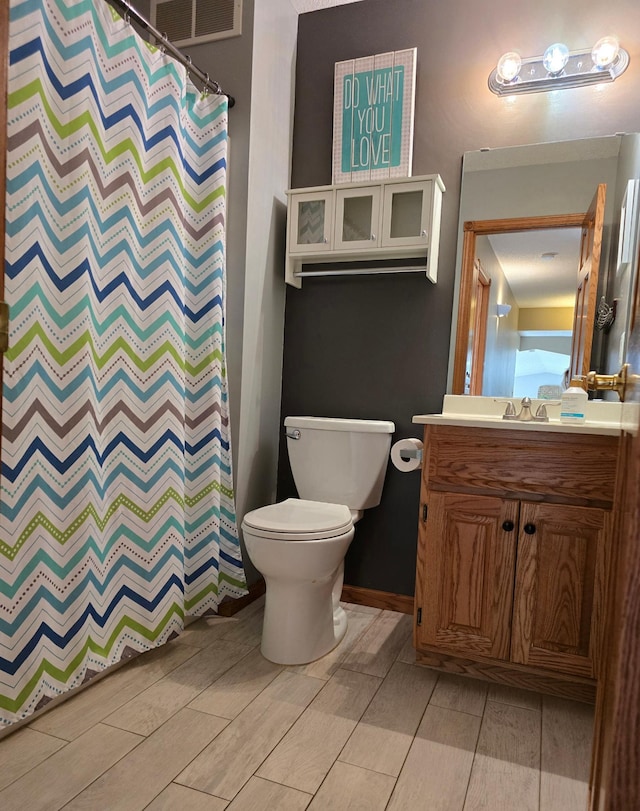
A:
(378, 346)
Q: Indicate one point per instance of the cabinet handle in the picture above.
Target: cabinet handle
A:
(373, 237)
(424, 233)
(508, 526)
(530, 529)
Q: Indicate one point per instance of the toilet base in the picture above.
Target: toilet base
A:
(339, 622)
(301, 621)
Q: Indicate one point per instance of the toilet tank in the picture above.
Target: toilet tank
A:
(339, 460)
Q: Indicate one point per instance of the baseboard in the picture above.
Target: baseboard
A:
(514, 675)
(378, 599)
(350, 594)
(228, 607)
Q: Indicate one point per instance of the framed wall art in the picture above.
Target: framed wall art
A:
(373, 112)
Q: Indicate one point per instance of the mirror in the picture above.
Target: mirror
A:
(522, 248)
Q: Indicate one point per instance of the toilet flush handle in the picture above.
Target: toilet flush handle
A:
(295, 434)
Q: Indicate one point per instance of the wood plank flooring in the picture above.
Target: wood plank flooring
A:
(205, 723)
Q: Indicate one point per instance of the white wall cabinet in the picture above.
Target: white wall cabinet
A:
(392, 219)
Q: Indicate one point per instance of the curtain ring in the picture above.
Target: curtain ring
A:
(205, 89)
(163, 46)
(127, 18)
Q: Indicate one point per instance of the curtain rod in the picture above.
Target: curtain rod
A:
(211, 84)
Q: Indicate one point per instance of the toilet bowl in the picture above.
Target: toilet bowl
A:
(299, 547)
(299, 544)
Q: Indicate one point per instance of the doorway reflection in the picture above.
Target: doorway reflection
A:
(528, 315)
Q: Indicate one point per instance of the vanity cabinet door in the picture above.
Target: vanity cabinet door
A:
(559, 587)
(468, 559)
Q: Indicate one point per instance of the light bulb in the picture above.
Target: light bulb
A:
(555, 58)
(604, 52)
(509, 66)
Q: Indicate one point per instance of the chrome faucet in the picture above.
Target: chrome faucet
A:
(541, 412)
(525, 415)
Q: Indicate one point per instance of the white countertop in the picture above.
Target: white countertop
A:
(602, 417)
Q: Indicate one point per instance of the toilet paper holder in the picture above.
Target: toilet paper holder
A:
(406, 454)
(411, 453)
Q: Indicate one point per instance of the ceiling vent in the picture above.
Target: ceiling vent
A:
(188, 22)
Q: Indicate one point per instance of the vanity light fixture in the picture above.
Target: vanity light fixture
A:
(502, 310)
(559, 68)
(555, 58)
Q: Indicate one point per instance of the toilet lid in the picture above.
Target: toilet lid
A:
(300, 517)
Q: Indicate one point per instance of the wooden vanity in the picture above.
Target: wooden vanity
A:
(513, 554)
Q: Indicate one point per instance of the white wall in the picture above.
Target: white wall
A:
(275, 27)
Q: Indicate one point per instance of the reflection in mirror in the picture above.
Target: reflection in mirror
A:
(534, 181)
(496, 318)
(535, 273)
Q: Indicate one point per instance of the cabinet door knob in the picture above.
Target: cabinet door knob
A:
(530, 529)
(508, 526)
(373, 237)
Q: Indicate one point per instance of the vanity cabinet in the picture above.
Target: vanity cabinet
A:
(512, 555)
(392, 219)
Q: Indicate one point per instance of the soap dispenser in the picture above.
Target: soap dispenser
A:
(574, 402)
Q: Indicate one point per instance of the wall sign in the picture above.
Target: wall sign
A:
(373, 109)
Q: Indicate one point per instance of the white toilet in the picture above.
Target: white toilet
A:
(299, 545)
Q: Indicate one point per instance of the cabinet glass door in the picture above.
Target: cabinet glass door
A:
(357, 216)
(406, 213)
(310, 221)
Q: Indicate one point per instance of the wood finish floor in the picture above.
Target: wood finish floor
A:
(205, 723)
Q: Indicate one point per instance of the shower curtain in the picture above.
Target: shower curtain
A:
(117, 513)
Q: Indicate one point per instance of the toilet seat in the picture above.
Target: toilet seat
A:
(299, 520)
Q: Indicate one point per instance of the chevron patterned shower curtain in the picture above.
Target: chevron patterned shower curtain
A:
(117, 514)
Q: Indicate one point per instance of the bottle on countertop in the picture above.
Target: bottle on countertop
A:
(574, 401)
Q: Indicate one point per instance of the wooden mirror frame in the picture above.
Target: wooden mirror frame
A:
(471, 230)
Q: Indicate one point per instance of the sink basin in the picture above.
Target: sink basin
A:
(602, 417)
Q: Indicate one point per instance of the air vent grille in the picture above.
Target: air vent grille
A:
(187, 22)
(174, 19)
(214, 18)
